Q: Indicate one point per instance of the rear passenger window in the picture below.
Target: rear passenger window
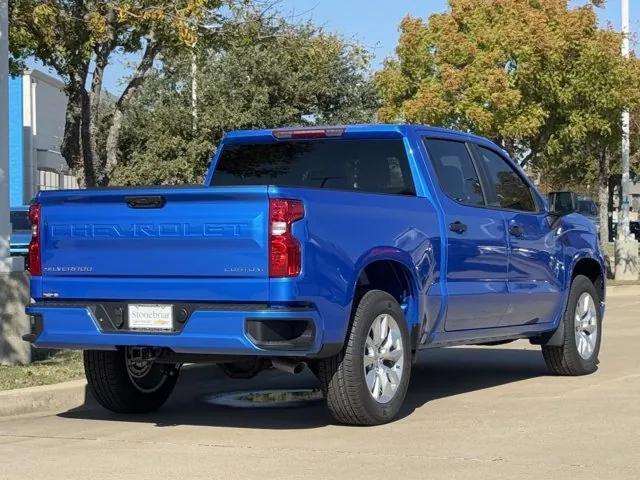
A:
(377, 166)
(456, 174)
(505, 189)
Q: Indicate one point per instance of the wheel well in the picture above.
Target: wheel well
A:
(590, 269)
(389, 276)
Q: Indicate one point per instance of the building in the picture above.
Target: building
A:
(37, 105)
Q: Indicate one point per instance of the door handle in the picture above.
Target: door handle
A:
(458, 227)
(144, 201)
(516, 231)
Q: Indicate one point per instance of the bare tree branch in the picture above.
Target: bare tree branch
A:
(149, 56)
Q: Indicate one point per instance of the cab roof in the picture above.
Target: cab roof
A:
(362, 131)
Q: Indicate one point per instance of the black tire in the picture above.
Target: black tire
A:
(565, 359)
(114, 389)
(342, 377)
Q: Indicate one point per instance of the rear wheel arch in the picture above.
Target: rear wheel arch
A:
(395, 277)
(389, 274)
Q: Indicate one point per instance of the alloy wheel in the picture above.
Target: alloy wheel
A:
(383, 358)
(586, 326)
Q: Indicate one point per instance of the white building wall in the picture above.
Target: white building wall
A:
(43, 105)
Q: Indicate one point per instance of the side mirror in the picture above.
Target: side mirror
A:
(562, 203)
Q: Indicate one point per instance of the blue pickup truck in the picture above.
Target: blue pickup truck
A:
(344, 249)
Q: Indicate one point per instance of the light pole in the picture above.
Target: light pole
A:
(626, 247)
(13, 285)
(6, 264)
(623, 222)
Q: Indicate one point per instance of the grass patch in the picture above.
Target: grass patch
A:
(48, 367)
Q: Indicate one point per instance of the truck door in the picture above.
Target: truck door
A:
(477, 261)
(534, 266)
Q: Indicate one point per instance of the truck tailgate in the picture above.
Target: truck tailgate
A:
(155, 233)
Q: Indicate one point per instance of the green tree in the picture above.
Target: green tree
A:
(268, 73)
(77, 38)
(538, 77)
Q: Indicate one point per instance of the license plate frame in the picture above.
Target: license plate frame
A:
(153, 318)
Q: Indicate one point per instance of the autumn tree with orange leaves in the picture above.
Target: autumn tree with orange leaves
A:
(539, 77)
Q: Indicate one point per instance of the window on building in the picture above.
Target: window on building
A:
(69, 182)
(48, 180)
(20, 220)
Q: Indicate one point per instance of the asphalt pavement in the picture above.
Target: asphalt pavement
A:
(471, 412)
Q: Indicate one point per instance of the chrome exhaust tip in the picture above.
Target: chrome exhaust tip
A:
(290, 366)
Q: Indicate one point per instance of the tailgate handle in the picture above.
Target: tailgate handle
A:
(145, 201)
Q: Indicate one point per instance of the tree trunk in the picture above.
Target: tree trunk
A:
(95, 96)
(620, 192)
(118, 115)
(75, 147)
(603, 196)
(86, 141)
(70, 147)
(103, 52)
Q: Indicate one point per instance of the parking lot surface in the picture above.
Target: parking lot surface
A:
(471, 412)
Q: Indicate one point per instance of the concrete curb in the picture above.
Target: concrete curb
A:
(622, 283)
(623, 289)
(45, 398)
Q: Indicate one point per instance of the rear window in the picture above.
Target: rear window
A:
(376, 166)
(20, 220)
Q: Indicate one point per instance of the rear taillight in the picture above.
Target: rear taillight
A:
(284, 249)
(34, 257)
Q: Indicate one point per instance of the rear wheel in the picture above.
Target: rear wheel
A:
(125, 382)
(367, 382)
(582, 325)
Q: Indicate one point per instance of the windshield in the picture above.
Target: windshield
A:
(377, 166)
(587, 208)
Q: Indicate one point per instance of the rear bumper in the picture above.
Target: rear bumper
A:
(207, 329)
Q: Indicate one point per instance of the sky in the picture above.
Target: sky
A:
(374, 23)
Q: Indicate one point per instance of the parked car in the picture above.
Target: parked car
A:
(584, 205)
(634, 229)
(21, 231)
(587, 207)
(344, 249)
